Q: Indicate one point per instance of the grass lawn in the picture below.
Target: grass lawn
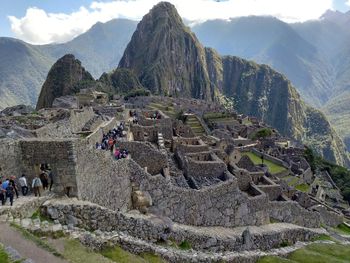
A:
(315, 253)
(273, 168)
(303, 188)
(168, 110)
(119, 255)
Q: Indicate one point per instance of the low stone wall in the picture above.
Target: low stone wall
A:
(271, 158)
(145, 155)
(25, 209)
(328, 217)
(292, 212)
(220, 205)
(272, 191)
(153, 228)
(110, 111)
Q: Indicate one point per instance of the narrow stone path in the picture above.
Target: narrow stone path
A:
(27, 248)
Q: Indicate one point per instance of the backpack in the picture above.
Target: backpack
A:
(9, 189)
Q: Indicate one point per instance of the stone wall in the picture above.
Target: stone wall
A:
(96, 136)
(219, 205)
(66, 127)
(153, 228)
(328, 217)
(59, 154)
(197, 165)
(292, 212)
(103, 180)
(146, 155)
(10, 163)
(189, 145)
(271, 158)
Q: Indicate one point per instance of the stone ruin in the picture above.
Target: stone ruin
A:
(175, 183)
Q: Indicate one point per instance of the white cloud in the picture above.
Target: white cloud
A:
(348, 3)
(40, 27)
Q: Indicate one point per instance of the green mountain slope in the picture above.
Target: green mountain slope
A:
(23, 68)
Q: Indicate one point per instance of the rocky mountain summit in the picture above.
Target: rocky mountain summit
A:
(62, 80)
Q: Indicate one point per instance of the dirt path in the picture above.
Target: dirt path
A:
(27, 249)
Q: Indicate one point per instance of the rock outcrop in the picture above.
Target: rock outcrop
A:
(119, 81)
(168, 59)
(64, 78)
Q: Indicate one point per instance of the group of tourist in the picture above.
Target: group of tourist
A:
(109, 141)
(9, 186)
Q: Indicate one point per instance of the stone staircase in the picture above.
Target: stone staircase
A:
(195, 125)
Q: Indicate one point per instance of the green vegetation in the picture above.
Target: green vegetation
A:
(4, 258)
(343, 229)
(262, 133)
(39, 215)
(75, 252)
(185, 245)
(213, 119)
(291, 180)
(119, 255)
(303, 188)
(166, 109)
(273, 167)
(314, 253)
(339, 174)
(38, 241)
(136, 93)
(323, 237)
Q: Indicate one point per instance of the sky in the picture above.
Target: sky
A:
(48, 21)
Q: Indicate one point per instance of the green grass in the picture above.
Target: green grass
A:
(117, 254)
(166, 109)
(37, 240)
(315, 253)
(343, 229)
(303, 188)
(291, 180)
(75, 252)
(185, 245)
(39, 215)
(273, 168)
(323, 237)
(4, 258)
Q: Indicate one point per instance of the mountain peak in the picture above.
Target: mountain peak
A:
(336, 16)
(62, 80)
(166, 56)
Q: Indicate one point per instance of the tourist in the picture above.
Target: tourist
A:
(13, 183)
(117, 154)
(36, 185)
(44, 180)
(23, 183)
(10, 190)
(2, 194)
(51, 177)
(5, 183)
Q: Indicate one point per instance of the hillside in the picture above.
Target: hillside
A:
(23, 68)
(99, 49)
(169, 60)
